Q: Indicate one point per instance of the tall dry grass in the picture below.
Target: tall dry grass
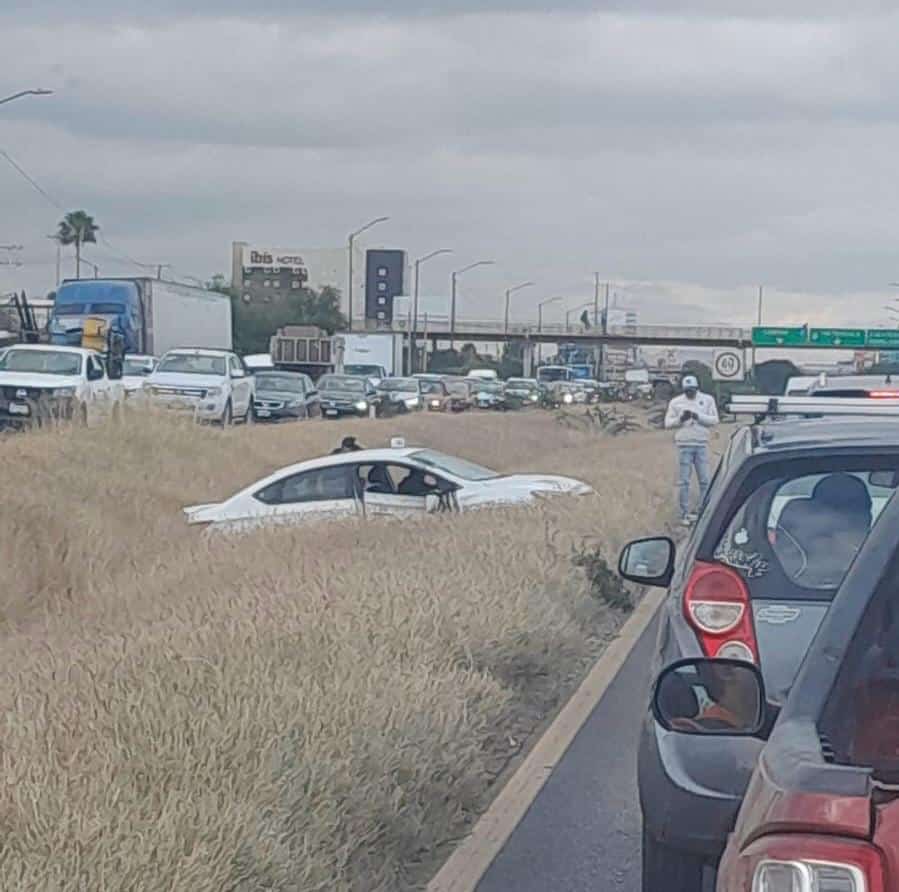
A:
(306, 708)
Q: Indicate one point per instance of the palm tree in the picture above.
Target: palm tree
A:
(77, 228)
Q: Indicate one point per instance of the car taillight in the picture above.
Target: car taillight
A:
(883, 394)
(807, 864)
(717, 605)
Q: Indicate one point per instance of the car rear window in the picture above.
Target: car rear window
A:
(795, 534)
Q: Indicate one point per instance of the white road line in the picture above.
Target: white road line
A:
(471, 860)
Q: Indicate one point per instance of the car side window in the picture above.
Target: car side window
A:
(94, 368)
(235, 364)
(322, 485)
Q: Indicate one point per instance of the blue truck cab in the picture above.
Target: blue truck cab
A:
(117, 301)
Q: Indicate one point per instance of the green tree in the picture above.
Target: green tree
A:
(254, 323)
(77, 228)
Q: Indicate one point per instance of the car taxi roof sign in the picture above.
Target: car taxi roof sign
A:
(397, 443)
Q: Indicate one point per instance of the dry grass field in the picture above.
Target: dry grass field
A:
(306, 708)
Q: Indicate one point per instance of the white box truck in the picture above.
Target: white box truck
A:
(153, 316)
(375, 355)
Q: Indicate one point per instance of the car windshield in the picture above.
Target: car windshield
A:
(365, 370)
(798, 534)
(354, 385)
(287, 383)
(41, 362)
(392, 385)
(520, 384)
(458, 467)
(137, 367)
(433, 387)
(193, 364)
(553, 374)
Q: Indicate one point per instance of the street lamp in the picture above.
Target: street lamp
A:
(455, 275)
(509, 293)
(19, 95)
(350, 239)
(418, 263)
(93, 266)
(540, 306)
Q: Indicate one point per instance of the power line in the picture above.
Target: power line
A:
(33, 183)
(119, 255)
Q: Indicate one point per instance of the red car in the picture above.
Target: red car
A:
(822, 810)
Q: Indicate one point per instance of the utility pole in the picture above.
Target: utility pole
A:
(758, 322)
(55, 238)
(350, 241)
(605, 331)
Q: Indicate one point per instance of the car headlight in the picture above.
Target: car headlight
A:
(412, 402)
(362, 405)
(533, 397)
(435, 404)
(214, 391)
(64, 392)
(294, 404)
(568, 398)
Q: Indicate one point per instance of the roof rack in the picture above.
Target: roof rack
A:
(763, 407)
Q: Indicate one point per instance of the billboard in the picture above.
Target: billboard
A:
(314, 267)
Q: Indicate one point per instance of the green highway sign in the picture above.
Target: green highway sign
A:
(837, 337)
(778, 337)
(883, 338)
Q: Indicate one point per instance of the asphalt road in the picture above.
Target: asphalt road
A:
(582, 832)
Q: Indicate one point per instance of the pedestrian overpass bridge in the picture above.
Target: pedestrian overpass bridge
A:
(470, 330)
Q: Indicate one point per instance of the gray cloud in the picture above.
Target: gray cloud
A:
(697, 148)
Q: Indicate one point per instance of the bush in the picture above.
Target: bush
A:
(605, 583)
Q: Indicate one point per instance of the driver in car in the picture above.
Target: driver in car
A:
(417, 483)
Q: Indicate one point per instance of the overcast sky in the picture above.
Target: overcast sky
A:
(687, 153)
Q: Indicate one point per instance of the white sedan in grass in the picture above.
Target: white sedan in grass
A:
(395, 481)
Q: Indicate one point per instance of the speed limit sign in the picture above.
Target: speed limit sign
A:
(728, 366)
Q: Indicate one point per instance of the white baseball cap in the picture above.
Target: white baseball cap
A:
(690, 382)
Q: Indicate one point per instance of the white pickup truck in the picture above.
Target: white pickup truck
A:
(39, 382)
(213, 385)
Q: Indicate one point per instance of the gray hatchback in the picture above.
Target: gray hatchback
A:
(789, 507)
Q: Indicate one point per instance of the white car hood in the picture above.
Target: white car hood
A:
(133, 382)
(176, 379)
(208, 513)
(34, 379)
(546, 483)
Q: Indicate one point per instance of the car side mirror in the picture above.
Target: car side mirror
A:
(238, 373)
(648, 561)
(711, 697)
(312, 392)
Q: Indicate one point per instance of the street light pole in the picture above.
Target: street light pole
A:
(413, 334)
(454, 277)
(21, 93)
(758, 322)
(540, 307)
(350, 239)
(509, 293)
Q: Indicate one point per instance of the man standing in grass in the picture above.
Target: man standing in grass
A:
(691, 414)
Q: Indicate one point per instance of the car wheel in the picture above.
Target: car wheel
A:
(669, 869)
(227, 416)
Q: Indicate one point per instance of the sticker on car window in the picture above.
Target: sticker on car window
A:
(751, 563)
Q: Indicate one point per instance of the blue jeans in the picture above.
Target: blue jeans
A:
(689, 457)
